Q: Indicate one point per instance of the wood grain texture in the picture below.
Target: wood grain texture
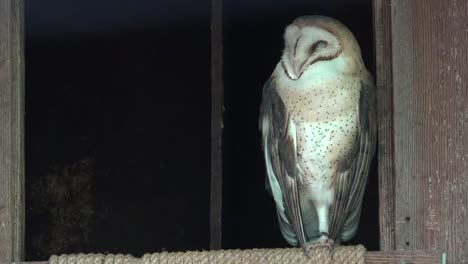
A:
(11, 130)
(383, 55)
(406, 257)
(441, 72)
(431, 123)
(216, 122)
(406, 191)
(379, 257)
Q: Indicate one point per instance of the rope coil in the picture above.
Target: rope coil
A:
(343, 254)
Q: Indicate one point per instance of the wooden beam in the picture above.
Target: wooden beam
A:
(216, 122)
(429, 40)
(376, 257)
(406, 202)
(11, 131)
(406, 257)
(386, 156)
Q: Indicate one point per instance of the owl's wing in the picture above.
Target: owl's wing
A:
(279, 146)
(352, 176)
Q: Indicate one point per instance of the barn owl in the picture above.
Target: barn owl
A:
(317, 120)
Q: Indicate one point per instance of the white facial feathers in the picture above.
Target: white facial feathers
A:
(310, 40)
(305, 46)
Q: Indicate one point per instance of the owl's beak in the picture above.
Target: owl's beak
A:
(293, 68)
(293, 75)
(298, 69)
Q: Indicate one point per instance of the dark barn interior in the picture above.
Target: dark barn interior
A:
(118, 123)
(118, 127)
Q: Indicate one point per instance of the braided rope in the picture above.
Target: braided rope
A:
(344, 254)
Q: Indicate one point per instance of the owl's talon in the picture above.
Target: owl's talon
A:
(306, 250)
(323, 241)
(332, 249)
(330, 244)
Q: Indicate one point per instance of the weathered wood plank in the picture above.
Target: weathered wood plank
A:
(406, 257)
(379, 257)
(216, 122)
(441, 72)
(11, 130)
(431, 123)
(383, 57)
(406, 191)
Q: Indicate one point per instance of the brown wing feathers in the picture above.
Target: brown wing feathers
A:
(281, 143)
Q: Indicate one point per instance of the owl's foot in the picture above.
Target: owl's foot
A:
(323, 241)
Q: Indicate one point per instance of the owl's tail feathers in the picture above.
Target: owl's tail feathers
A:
(286, 229)
(351, 225)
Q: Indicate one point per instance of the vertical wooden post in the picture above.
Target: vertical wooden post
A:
(383, 57)
(430, 69)
(11, 130)
(216, 121)
(406, 202)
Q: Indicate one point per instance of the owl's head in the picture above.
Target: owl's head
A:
(311, 41)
